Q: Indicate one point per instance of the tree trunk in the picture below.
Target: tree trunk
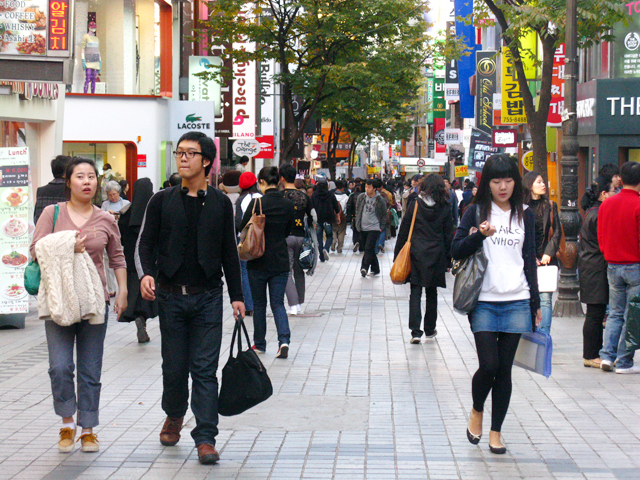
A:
(332, 146)
(352, 150)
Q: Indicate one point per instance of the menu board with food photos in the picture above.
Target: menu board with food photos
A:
(23, 27)
(15, 228)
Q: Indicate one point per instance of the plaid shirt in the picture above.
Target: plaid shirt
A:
(49, 194)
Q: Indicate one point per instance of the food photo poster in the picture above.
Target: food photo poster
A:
(15, 228)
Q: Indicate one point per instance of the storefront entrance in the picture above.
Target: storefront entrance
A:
(122, 156)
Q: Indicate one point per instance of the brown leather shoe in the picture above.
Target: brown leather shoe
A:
(170, 433)
(207, 454)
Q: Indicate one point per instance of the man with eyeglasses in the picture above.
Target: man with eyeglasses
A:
(191, 226)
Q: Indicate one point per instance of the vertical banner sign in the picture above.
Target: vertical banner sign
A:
(557, 89)
(512, 103)
(14, 228)
(439, 127)
(626, 48)
(201, 90)
(451, 88)
(244, 90)
(267, 97)
(466, 64)
(430, 98)
(486, 71)
(439, 103)
(59, 26)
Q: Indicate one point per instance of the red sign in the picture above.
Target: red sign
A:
(59, 25)
(505, 138)
(142, 160)
(421, 163)
(439, 124)
(557, 89)
(266, 146)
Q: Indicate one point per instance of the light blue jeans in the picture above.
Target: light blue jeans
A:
(624, 284)
(89, 342)
(546, 306)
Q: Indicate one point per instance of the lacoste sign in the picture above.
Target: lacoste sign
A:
(193, 122)
(192, 116)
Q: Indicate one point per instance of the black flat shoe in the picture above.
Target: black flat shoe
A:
(475, 439)
(498, 450)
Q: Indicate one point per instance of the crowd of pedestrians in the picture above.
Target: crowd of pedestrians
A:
(169, 252)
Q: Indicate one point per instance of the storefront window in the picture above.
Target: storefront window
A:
(119, 45)
(12, 134)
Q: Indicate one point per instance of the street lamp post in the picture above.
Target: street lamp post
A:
(568, 303)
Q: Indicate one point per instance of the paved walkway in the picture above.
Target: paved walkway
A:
(354, 400)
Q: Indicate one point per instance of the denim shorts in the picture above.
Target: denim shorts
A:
(508, 317)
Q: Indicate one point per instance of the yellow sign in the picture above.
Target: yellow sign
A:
(462, 171)
(512, 104)
(527, 161)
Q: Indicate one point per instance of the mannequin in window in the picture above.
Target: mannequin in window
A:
(91, 62)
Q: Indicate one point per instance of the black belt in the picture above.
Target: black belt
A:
(182, 289)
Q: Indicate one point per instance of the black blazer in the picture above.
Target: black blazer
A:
(465, 245)
(592, 267)
(280, 215)
(164, 226)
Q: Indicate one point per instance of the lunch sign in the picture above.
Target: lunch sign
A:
(14, 228)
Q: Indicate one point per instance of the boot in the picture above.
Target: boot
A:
(141, 324)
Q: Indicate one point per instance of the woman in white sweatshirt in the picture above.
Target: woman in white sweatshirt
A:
(509, 302)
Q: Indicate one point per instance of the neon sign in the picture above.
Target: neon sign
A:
(59, 25)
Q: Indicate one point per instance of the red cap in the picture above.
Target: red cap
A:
(247, 180)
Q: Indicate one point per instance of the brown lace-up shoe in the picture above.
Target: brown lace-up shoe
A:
(207, 454)
(170, 433)
(89, 442)
(67, 439)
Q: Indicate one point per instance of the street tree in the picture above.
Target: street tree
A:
(310, 39)
(547, 18)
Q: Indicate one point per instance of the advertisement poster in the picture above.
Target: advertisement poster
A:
(23, 27)
(14, 228)
(512, 103)
(486, 86)
(557, 89)
(201, 89)
(480, 148)
(626, 51)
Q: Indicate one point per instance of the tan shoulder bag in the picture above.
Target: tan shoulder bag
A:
(251, 244)
(402, 265)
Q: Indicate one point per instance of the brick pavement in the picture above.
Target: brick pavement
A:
(354, 400)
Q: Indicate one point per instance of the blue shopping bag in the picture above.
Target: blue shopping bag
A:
(534, 352)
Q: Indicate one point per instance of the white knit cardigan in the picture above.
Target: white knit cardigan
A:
(70, 286)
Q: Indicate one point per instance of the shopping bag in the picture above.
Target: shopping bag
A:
(547, 278)
(534, 352)
(632, 337)
(401, 268)
(245, 382)
(251, 244)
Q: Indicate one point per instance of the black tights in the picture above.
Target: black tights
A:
(496, 351)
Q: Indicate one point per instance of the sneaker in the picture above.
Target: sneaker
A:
(207, 454)
(356, 246)
(293, 310)
(363, 272)
(633, 369)
(414, 340)
(170, 433)
(432, 334)
(283, 351)
(89, 442)
(375, 274)
(592, 362)
(67, 439)
(333, 248)
(300, 309)
(141, 325)
(606, 365)
(326, 255)
(257, 350)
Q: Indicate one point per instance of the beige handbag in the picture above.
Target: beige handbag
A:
(402, 264)
(251, 244)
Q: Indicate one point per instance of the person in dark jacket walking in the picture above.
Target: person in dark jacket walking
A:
(272, 269)
(326, 206)
(139, 310)
(371, 219)
(54, 191)
(548, 234)
(509, 302)
(430, 257)
(351, 217)
(592, 272)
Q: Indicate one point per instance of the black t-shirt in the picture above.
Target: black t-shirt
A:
(302, 204)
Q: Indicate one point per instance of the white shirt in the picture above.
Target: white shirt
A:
(504, 279)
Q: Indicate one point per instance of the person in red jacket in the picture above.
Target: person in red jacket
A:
(619, 240)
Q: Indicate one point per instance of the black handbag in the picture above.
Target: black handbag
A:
(245, 382)
(469, 274)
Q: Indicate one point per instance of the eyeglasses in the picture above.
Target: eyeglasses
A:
(187, 155)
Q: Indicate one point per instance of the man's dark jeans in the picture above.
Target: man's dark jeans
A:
(369, 259)
(191, 328)
(277, 284)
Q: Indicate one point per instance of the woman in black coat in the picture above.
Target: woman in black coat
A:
(430, 257)
(131, 216)
(592, 271)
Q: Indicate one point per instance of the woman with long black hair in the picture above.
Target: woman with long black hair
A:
(548, 234)
(509, 302)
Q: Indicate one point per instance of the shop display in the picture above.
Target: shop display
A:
(15, 194)
(91, 62)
